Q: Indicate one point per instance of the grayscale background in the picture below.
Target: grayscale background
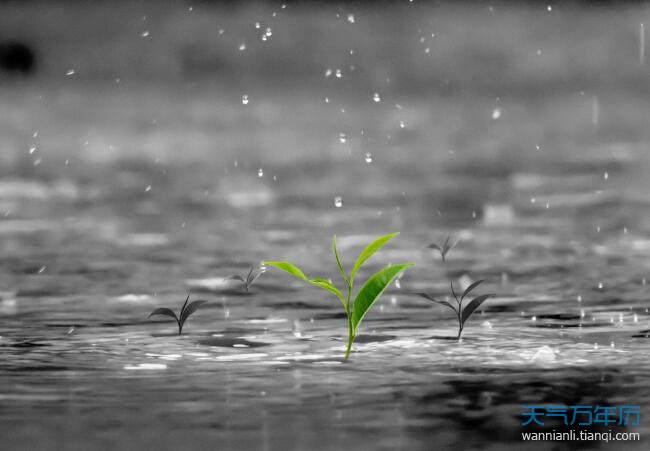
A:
(151, 147)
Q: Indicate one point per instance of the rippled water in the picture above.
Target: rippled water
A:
(134, 194)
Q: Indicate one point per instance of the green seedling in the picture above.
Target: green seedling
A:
(462, 314)
(252, 276)
(185, 312)
(370, 291)
(444, 248)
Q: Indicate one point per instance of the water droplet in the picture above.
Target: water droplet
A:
(343, 138)
(38, 161)
(582, 313)
(244, 99)
(533, 319)
(376, 97)
(328, 72)
(242, 46)
(600, 285)
(402, 124)
(579, 298)
(496, 113)
(32, 150)
(145, 33)
(260, 172)
(398, 284)
(549, 8)
(427, 50)
(606, 175)
(351, 18)
(147, 188)
(42, 269)
(257, 25)
(368, 157)
(70, 72)
(338, 202)
(268, 32)
(338, 73)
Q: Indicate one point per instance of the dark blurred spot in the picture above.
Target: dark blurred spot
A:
(16, 58)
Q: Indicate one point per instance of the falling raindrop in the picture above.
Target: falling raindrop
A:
(600, 285)
(496, 113)
(606, 175)
(244, 99)
(260, 172)
(145, 33)
(376, 97)
(368, 157)
(338, 73)
(70, 72)
(32, 150)
(343, 138)
(641, 43)
(338, 202)
(328, 72)
(351, 18)
(402, 124)
(147, 188)
(268, 32)
(242, 46)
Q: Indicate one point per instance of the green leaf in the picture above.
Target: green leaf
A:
(369, 251)
(288, 268)
(163, 311)
(372, 290)
(476, 302)
(329, 286)
(191, 308)
(296, 272)
(338, 260)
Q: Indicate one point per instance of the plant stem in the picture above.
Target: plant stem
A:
(180, 328)
(348, 310)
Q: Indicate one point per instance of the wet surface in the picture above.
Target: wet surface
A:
(138, 196)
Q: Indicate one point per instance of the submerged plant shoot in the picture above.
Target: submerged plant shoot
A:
(186, 311)
(355, 306)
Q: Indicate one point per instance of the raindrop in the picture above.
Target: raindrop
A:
(606, 175)
(351, 18)
(147, 188)
(338, 202)
(70, 72)
(328, 72)
(268, 32)
(244, 99)
(368, 157)
(398, 284)
(338, 73)
(32, 150)
(145, 33)
(533, 319)
(376, 97)
(600, 285)
(496, 113)
(549, 8)
(402, 124)
(242, 46)
(257, 25)
(343, 138)
(260, 172)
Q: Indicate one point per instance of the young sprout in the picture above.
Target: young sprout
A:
(185, 312)
(445, 248)
(252, 276)
(357, 307)
(462, 314)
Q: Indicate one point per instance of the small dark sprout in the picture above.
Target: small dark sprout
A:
(462, 314)
(253, 275)
(444, 248)
(185, 312)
